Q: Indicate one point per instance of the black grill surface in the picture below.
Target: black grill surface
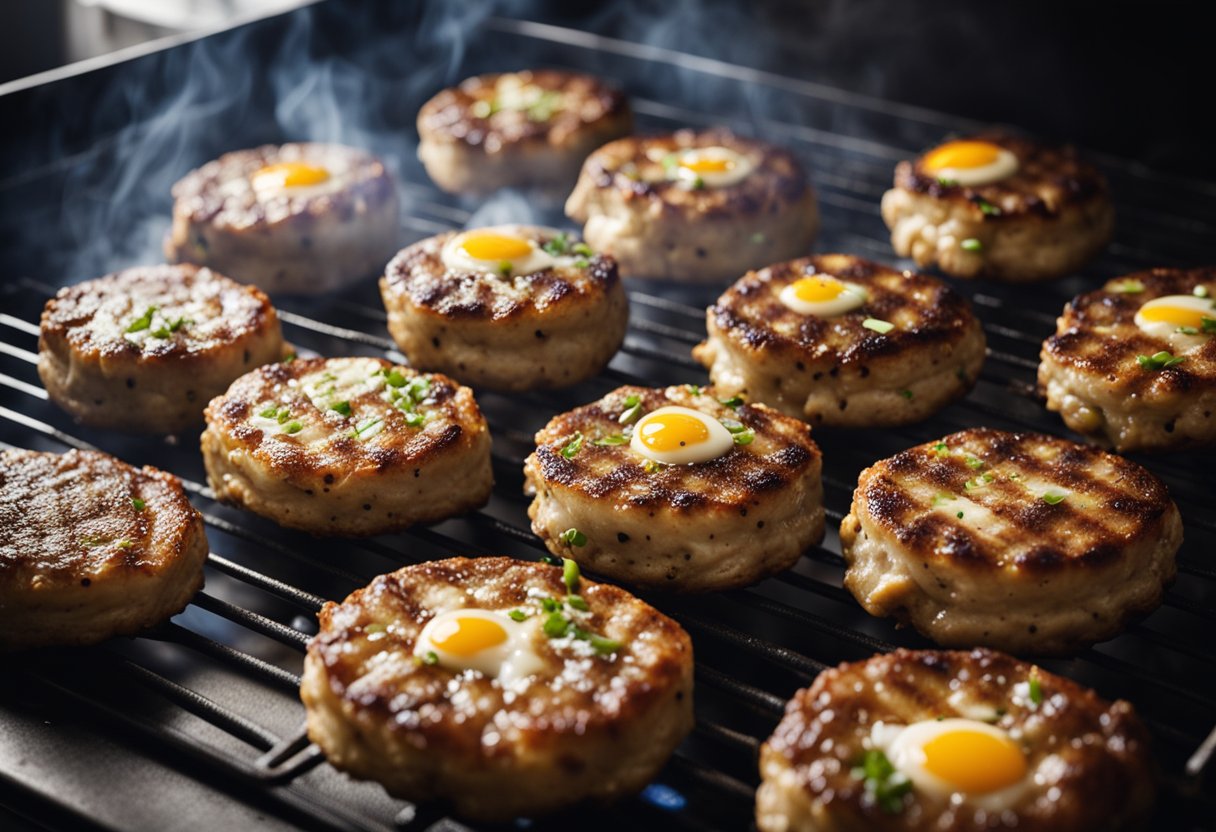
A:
(198, 724)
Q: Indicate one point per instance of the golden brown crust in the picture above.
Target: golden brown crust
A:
(205, 196)
(925, 312)
(1097, 335)
(633, 167)
(585, 101)
(91, 319)
(419, 275)
(91, 547)
(1111, 503)
(1048, 180)
(1104, 779)
(782, 452)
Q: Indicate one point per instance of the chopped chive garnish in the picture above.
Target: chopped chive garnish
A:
(570, 572)
(693, 389)
(414, 419)
(143, 321)
(614, 439)
(340, 407)
(733, 425)
(573, 537)
(883, 781)
(943, 497)
(581, 263)
(167, 329)
(697, 183)
(269, 412)
(552, 560)
(583, 249)
(987, 208)
(517, 615)
(971, 244)
(293, 427)
(1128, 287)
(959, 515)
(880, 326)
(733, 402)
(138, 503)
(907, 394)
(671, 164)
(558, 245)
(633, 409)
(125, 543)
(1053, 498)
(550, 604)
(1187, 330)
(602, 644)
(941, 449)
(946, 182)
(290, 357)
(573, 446)
(651, 467)
(365, 427)
(556, 625)
(987, 476)
(745, 437)
(1035, 689)
(375, 628)
(430, 657)
(505, 267)
(974, 464)
(577, 602)
(283, 415)
(395, 378)
(1159, 360)
(1208, 324)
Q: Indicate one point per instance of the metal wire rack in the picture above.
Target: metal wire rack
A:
(212, 697)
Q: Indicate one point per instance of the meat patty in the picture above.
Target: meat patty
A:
(643, 202)
(553, 321)
(1098, 371)
(524, 129)
(91, 547)
(347, 446)
(607, 698)
(1086, 761)
(723, 522)
(293, 218)
(1017, 541)
(144, 349)
(1046, 219)
(909, 349)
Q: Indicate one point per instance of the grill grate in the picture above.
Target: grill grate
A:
(213, 693)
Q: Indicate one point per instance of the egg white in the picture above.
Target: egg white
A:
(741, 166)
(849, 299)
(715, 445)
(509, 662)
(457, 259)
(1167, 331)
(1003, 166)
(903, 743)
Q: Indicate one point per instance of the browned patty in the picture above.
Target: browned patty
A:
(1013, 540)
(1048, 180)
(1101, 776)
(91, 547)
(1093, 357)
(586, 725)
(345, 458)
(817, 368)
(146, 348)
(469, 113)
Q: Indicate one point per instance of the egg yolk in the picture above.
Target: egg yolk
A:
(669, 431)
(707, 164)
(467, 636)
(817, 288)
(961, 155)
(289, 175)
(1176, 315)
(973, 761)
(495, 247)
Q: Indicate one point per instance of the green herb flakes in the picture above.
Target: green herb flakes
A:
(559, 245)
(1128, 287)
(138, 504)
(143, 321)
(974, 463)
(1053, 498)
(971, 244)
(573, 537)
(613, 439)
(556, 625)
(883, 782)
(573, 446)
(340, 407)
(1035, 689)
(1159, 361)
(633, 409)
(880, 326)
(570, 574)
(517, 615)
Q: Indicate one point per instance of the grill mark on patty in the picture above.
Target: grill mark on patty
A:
(924, 310)
(780, 452)
(419, 273)
(914, 494)
(1097, 335)
(1048, 181)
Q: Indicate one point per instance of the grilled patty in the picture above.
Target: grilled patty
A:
(1018, 541)
(549, 328)
(347, 446)
(301, 239)
(586, 724)
(725, 522)
(836, 370)
(657, 226)
(1087, 759)
(524, 129)
(91, 547)
(1091, 373)
(143, 350)
(1046, 220)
